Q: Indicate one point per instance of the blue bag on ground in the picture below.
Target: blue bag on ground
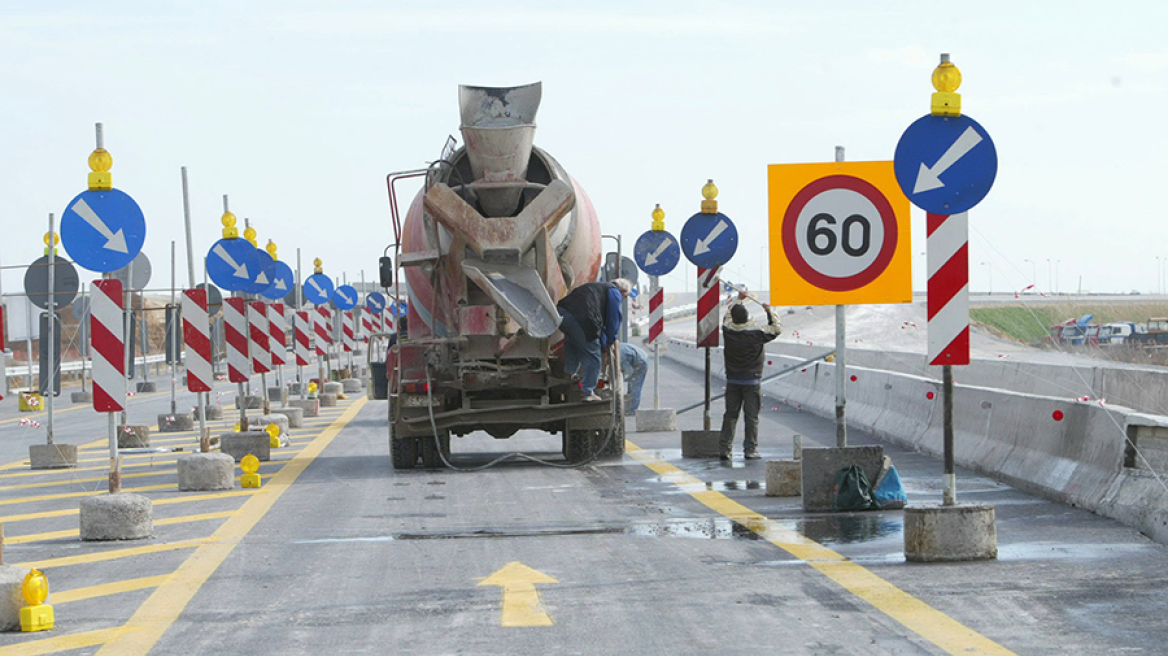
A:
(890, 491)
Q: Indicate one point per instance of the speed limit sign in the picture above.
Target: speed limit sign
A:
(839, 234)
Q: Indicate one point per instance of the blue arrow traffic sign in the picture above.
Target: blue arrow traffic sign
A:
(318, 288)
(232, 264)
(103, 230)
(709, 240)
(657, 252)
(375, 302)
(399, 308)
(345, 297)
(945, 164)
(282, 282)
(264, 275)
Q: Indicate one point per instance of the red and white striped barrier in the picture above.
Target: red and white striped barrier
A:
(367, 324)
(107, 346)
(947, 244)
(349, 339)
(235, 330)
(197, 337)
(259, 336)
(277, 330)
(303, 338)
(709, 293)
(321, 320)
(656, 315)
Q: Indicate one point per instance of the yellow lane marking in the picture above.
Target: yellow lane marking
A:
(164, 606)
(924, 620)
(74, 495)
(113, 554)
(72, 533)
(105, 589)
(102, 479)
(9, 519)
(521, 605)
(60, 643)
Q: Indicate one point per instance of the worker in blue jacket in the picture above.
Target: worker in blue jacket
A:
(590, 319)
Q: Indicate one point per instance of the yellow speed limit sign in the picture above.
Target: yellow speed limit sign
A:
(839, 234)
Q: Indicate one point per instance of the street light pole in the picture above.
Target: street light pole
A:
(991, 270)
(1033, 272)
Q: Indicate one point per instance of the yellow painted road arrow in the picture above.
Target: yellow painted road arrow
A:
(521, 605)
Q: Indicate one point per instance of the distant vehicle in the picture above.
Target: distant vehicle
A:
(1155, 334)
(1119, 332)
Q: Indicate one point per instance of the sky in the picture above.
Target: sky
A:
(298, 110)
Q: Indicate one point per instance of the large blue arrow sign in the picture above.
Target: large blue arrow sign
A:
(709, 240)
(346, 297)
(945, 164)
(375, 302)
(282, 283)
(318, 288)
(657, 252)
(103, 230)
(265, 274)
(232, 264)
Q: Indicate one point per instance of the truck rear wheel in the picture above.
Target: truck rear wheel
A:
(404, 452)
(578, 445)
(615, 446)
(430, 457)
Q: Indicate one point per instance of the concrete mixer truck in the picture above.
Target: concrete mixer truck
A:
(497, 235)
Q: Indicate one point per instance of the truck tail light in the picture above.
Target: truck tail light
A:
(416, 388)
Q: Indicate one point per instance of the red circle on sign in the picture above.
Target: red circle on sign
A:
(790, 239)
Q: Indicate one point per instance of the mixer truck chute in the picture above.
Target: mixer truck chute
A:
(497, 235)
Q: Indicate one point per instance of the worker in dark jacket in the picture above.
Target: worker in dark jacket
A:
(743, 348)
(590, 319)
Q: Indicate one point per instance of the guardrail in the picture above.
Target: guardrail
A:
(23, 370)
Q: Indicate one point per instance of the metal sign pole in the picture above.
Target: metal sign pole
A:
(202, 397)
(51, 360)
(173, 347)
(656, 353)
(841, 422)
(706, 412)
(949, 495)
(127, 328)
(303, 385)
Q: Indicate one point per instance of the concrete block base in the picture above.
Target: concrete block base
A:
(206, 471)
(147, 387)
(310, 407)
(238, 445)
(820, 466)
(11, 599)
(352, 385)
(328, 400)
(133, 436)
(175, 423)
(333, 387)
(295, 416)
(253, 402)
(281, 422)
(276, 394)
(656, 421)
(965, 531)
(52, 456)
(118, 516)
(81, 397)
(212, 412)
(700, 444)
(784, 478)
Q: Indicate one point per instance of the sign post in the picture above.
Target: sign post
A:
(657, 252)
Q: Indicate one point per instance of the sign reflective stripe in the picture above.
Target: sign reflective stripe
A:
(197, 336)
(108, 346)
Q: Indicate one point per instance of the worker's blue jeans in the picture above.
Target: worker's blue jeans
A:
(580, 353)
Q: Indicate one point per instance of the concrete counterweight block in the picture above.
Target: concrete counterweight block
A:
(52, 456)
(261, 423)
(212, 412)
(81, 397)
(11, 598)
(206, 471)
(964, 531)
(821, 465)
(238, 445)
(133, 436)
(295, 416)
(276, 394)
(310, 407)
(147, 386)
(175, 423)
(656, 421)
(352, 385)
(253, 402)
(328, 400)
(784, 478)
(333, 387)
(700, 444)
(119, 516)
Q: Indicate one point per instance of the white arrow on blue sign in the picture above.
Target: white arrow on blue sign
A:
(264, 275)
(709, 240)
(657, 252)
(103, 230)
(345, 297)
(232, 264)
(375, 302)
(283, 280)
(318, 288)
(945, 164)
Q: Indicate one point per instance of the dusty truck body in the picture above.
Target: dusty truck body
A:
(497, 235)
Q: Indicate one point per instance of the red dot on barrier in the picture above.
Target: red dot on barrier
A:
(768, 362)
(929, 396)
(1057, 415)
(853, 379)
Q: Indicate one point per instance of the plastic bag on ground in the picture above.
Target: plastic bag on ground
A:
(852, 490)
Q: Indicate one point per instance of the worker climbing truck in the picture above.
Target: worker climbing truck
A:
(497, 235)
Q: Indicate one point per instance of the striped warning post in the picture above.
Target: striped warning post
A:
(107, 345)
(197, 337)
(709, 292)
(656, 314)
(367, 324)
(947, 244)
(303, 338)
(348, 338)
(321, 320)
(235, 331)
(277, 329)
(375, 319)
(259, 336)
